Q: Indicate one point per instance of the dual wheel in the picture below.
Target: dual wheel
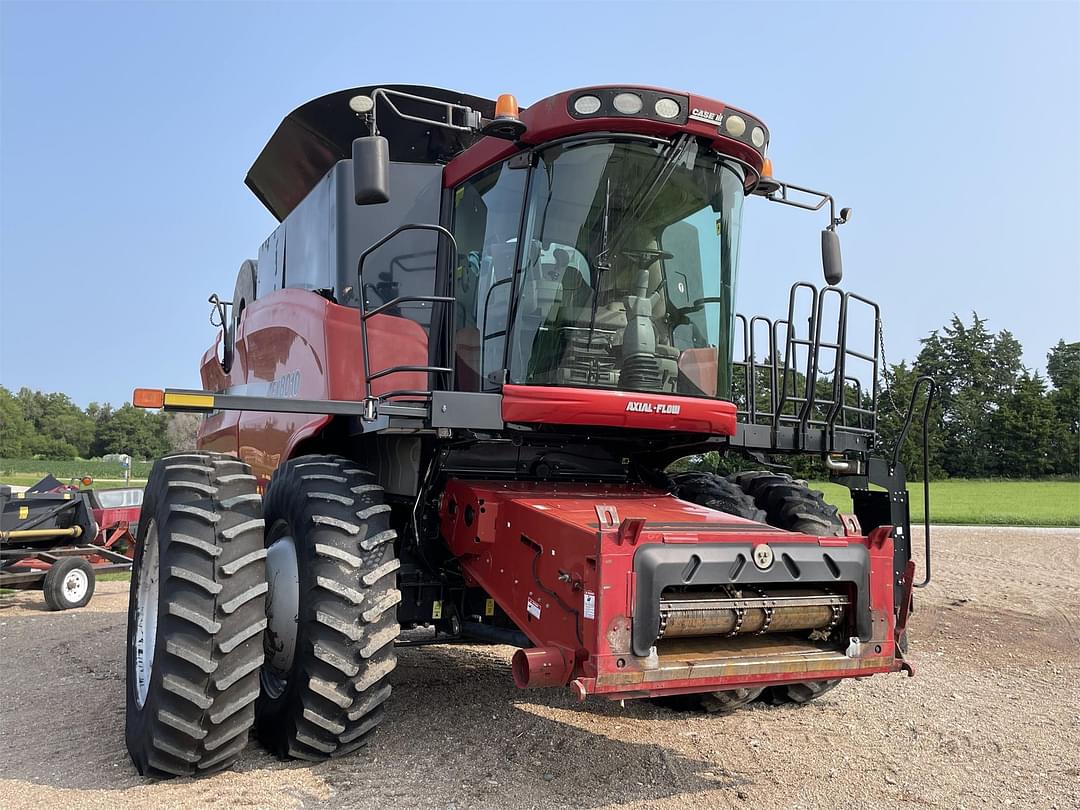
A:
(778, 500)
(272, 613)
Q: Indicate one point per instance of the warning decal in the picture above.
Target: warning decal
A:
(590, 605)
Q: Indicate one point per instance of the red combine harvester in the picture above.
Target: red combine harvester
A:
(446, 395)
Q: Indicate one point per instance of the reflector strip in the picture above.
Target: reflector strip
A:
(201, 401)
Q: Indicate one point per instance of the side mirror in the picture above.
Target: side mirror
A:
(371, 170)
(831, 262)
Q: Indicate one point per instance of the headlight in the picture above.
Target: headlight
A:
(757, 137)
(735, 125)
(667, 108)
(361, 104)
(627, 103)
(586, 105)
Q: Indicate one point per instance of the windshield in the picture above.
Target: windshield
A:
(628, 268)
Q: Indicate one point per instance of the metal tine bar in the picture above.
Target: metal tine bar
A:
(747, 367)
(836, 405)
(874, 359)
(777, 383)
(857, 409)
(789, 358)
(768, 366)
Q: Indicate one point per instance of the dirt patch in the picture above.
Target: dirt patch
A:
(991, 719)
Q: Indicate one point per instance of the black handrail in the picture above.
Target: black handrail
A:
(434, 299)
(931, 392)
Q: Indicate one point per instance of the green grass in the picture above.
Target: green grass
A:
(985, 503)
(65, 470)
(29, 479)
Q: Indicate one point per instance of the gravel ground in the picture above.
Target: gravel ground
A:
(991, 719)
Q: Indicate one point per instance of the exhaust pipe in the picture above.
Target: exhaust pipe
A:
(541, 666)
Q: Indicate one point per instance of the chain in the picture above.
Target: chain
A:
(885, 371)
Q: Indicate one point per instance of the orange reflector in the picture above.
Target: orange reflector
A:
(766, 170)
(87, 480)
(506, 106)
(148, 398)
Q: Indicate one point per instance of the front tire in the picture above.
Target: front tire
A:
(332, 616)
(196, 612)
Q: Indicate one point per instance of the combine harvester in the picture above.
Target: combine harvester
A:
(445, 396)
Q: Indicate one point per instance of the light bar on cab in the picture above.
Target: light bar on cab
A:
(617, 102)
(630, 102)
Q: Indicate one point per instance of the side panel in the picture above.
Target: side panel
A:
(296, 344)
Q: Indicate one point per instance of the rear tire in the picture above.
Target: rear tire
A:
(196, 613)
(69, 584)
(791, 505)
(800, 692)
(332, 612)
(716, 492)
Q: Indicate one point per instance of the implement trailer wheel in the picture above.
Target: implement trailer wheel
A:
(69, 584)
(332, 609)
(196, 615)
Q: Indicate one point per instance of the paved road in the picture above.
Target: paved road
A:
(992, 718)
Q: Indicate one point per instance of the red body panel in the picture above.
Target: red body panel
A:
(622, 409)
(543, 552)
(295, 343)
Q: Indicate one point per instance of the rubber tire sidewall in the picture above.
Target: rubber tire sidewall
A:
(53, 587)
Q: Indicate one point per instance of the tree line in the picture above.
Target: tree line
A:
(992, 417)
(51, 426)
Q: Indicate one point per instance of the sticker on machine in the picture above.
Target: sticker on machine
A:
(534, 608)
(590, 605)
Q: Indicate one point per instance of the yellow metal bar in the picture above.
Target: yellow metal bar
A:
(20, 534)
(204, 401)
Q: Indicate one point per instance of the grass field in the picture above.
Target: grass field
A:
(29, 479)
(986, 503)
(65, 470)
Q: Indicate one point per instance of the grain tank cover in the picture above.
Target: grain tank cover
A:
(318, 134)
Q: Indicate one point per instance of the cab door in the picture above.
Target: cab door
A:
(486, 221)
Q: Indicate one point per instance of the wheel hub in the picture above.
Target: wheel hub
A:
(282, 612)
(76, 584)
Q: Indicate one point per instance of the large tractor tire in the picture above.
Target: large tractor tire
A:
(789, 504)
(196, 615)
(332, 609)
(716, 492)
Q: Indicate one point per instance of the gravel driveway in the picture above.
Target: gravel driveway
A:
(991, 719)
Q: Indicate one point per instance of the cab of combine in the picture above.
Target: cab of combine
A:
(455, 379)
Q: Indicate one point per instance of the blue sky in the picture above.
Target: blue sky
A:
(126, 130)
